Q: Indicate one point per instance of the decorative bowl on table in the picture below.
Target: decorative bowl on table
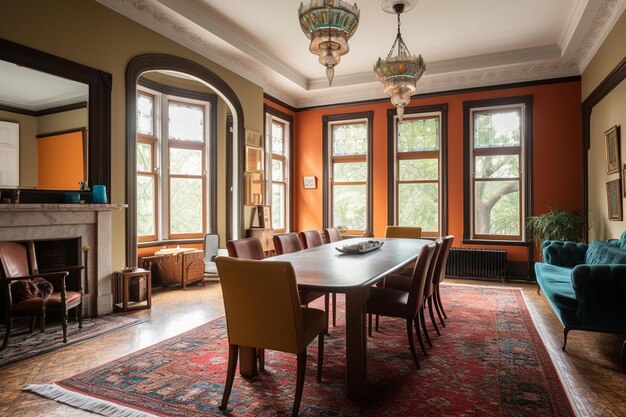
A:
(361, 247)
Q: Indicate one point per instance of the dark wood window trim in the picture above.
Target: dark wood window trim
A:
(443, 159)
(148, 62)
(289, 119)
(527, 167)
(326, 120)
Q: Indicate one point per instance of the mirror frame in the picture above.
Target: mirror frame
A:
(99, 128)
(155, 62)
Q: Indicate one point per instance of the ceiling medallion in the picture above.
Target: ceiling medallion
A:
(401, 72)
(329, 24)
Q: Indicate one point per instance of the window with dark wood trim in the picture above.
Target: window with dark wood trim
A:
(498, 143)
(278, 172)
(147, 171)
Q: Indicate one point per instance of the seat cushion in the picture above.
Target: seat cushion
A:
(53, 302)
(314, 321)
(388, 302)
(556, 283)
(398, 282)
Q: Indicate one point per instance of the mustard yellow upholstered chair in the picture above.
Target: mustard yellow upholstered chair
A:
(404, 232)
(263, 311)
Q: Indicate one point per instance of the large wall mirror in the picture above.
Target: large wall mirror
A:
(54, 114)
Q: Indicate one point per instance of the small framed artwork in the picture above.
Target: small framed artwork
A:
(254, 159)
(624, 180)
(614, 199)
(310, 181)
(612, 151)
(253, 138)
(265, 217)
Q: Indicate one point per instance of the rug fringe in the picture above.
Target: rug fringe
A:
(84, 402)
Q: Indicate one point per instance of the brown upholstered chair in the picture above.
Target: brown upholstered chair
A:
(402, 304)
(310, 239)
(288, 243)
(248, 248)
(401, 282)
(269, 291)
(403, 232)
(19, 267)
(440, 274)
(332, 235)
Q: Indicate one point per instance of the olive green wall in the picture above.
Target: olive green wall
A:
(609, 112)
(57, 122)
(86, 32)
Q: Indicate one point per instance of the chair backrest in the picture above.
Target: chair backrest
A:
(310, 239)
(440, 270)
(428, 287)
(418, 281)
(332, 235)
(211, 244)
(287, 243)
(15, 259)
(247, 248)
(261, 304)
(404, 232)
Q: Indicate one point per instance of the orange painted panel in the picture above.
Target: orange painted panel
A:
(557, 156)
(60, 161)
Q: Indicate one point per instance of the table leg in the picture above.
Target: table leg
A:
(247, 361)
(356, 343)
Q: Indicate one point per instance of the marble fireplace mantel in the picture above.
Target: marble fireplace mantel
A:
(90, 222)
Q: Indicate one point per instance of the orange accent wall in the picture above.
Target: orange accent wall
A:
(60, 161)
(557, 156)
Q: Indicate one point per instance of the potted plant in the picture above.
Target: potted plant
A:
(557, 224)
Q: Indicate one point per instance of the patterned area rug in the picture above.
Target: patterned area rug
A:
(489, 361)
(23, 344)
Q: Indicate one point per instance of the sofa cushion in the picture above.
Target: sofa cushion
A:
(600, 253)
(556, 283)
(563, 253)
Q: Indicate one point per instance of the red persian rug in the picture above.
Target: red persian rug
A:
(489, 361)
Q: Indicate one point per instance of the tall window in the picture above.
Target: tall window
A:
(348, 193)
(147, 142)
(499, 164)
(186, 139)
(171, 165)
(279, 177)
(417, 172)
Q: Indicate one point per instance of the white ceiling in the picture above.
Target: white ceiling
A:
(464, 43)
(33, 90)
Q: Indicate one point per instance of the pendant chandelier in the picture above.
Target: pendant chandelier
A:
(329, 24)
(399, 73)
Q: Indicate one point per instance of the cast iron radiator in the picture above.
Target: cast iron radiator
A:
(477, 263)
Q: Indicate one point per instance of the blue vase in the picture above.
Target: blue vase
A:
(99, 194)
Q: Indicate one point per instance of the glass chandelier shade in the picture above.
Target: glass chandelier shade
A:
(329, 24)
(400, 73)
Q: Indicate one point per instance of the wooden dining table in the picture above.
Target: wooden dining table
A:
(325, 269)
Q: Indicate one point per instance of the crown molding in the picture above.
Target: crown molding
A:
(187, 23)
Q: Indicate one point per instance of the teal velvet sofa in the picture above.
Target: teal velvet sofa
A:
(586, 285)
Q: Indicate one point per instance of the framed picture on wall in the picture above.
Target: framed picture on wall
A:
(254, 138)
(623, 181)
(265, 217)
(612, 150)
(309, 181)
(614, 199)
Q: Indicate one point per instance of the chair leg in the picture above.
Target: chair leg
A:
(565, 332)
(326, 306)
(79, 313)
(377, 320)
(299, 382)
(233, 353)
(32, 323)
(538, 288)
(261, 355)
(369, 324)
(42, 321)
(419, 335)
(64, 325)
(409, 333)
(7, 332)
(432, 315)
(320, 355)
(423, 321)
(624, 356)
(443, 311)
(334, 309)
(438, 310)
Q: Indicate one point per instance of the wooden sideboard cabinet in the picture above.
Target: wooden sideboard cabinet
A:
(265, 235)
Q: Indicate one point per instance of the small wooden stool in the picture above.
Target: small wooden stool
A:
(123, 282)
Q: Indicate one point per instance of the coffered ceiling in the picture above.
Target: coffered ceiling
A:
(464, 43)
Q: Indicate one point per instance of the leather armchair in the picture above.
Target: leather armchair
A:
(263, 311)
(19, 265)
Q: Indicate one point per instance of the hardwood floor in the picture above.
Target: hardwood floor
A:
(590, 369)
